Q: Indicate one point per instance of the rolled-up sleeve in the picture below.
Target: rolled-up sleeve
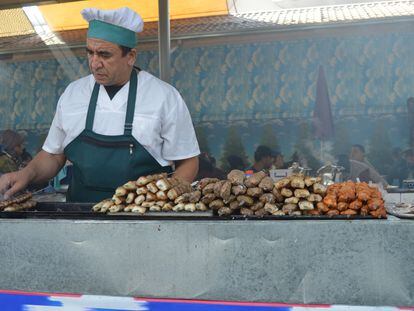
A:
(56, 136)
(177, 130)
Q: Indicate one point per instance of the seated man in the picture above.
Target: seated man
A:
(263, 159)
(235, 163)
(360, 167)
(207, 168)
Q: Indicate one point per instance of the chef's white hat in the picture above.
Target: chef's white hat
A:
(117, 26)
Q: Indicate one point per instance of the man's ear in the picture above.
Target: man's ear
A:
(132, 57)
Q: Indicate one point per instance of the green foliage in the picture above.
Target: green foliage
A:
(232, 146)
(269, 138)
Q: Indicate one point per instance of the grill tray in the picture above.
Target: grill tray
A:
(61, 210)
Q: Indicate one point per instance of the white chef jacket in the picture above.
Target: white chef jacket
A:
(162, 123)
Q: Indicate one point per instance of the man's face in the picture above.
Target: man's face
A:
(106, 62)
(278, 161)
(267, 161)
(356, 154)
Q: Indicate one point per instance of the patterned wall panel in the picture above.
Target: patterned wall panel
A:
(248, 86)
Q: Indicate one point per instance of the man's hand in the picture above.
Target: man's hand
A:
(186, 169)
(43, 167)
(14, 182)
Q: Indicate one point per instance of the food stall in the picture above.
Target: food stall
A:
(292, 258)
(298, 242)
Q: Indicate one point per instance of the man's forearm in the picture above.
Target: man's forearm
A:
(44, 166)
(186, 169)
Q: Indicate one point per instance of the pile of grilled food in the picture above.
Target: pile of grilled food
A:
(18, 203)
(351, 198)
(239, 194)
(154, 193)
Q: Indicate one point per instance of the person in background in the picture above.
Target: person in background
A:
(360, 167)
(212, 160)
(343, 160)
(398, 170)
(409, 160)
(25, 157)
(235, 163)
(207, 168)
(13, 156)
(294, 158)
(278, 161)
(263, 159)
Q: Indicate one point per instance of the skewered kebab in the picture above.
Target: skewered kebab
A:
(18, 203)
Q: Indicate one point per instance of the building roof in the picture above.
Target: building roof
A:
(245, 22)
(331, 14)
(323, 15)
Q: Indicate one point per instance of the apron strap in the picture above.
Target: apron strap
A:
(129, 118)
(132, 95)
(92, 107)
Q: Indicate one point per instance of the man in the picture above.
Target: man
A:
(208, 168)
(278, 161)
(116, 124)
(235, 163)
(263, 159)
(398, 170)
(360, 167)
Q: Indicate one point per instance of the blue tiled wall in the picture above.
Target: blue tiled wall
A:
(249, 86)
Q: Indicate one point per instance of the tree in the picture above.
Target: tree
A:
(269, 138)
(202, 139)
(232, 146)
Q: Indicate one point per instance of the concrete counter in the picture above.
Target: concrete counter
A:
(359, 262)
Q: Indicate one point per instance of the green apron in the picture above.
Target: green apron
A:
(102, 163)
